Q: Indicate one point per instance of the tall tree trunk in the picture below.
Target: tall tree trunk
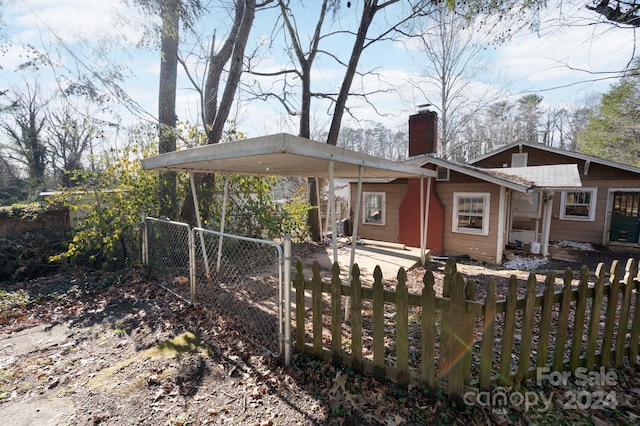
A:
(170, 13)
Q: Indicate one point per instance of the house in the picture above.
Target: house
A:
(519, 194)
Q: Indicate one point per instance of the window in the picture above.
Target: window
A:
(373, 208)
(579, 205)
(471, 212)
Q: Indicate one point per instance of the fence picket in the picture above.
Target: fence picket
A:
(402, 330)
(486, 347)
(457, 347)
(508, 329)
(428, 336)
(336, 314)
(594, 321)
(469, 325)
(610, 319)
(621, 337)
(563, 321)
(526, 334)
(546, 319)
(356, 319)
(316, 303)
(578, 322)
(635, 325)
(378, 325)
(300, 308)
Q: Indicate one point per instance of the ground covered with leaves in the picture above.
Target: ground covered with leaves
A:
(114, 348)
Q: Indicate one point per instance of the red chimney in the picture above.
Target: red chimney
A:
(423, 133)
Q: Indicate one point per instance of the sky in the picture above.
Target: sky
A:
(561, 64)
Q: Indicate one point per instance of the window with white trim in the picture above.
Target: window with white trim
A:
(373, 208)
(471, 212)
(579, 205)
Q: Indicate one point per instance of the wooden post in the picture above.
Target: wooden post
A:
(468, 336)
(456, 318)
(316, 308)
(621, 338)
(526, 334)
(546, 319)
(356, 319)
(612, 306)
(402, 330)
(594, 321)
(507, 332)
(378, 325)
(635, 326)
(300, 308)
(486, 347)
(428, 332)
(336, 316)
(578, 323)
(563, 321)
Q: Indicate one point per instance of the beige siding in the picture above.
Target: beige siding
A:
(586, 231)
(395, 193)
(479, 247)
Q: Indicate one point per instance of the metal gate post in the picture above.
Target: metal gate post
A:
(287, 299)
(145, 241)
(192, 265)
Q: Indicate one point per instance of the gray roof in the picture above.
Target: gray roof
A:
(548, 177)
(522, 179)
(281, 155)
(574, 154)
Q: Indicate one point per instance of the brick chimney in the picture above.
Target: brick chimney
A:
(423, 133)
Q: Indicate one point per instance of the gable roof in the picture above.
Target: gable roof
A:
(522, 179)
(573, 154)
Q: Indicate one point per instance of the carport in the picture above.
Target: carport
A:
(288, 155)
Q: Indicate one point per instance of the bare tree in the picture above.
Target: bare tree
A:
(302, 60)
(450, 47)
(69, 136)
(24, 124)
(224, 68)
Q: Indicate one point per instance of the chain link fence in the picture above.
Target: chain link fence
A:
(166, 252)
(239, 277)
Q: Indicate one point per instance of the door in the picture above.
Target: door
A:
(625, 217)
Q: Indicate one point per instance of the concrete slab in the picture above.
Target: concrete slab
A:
(368, 257)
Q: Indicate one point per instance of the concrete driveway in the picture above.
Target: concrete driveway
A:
(367, 258)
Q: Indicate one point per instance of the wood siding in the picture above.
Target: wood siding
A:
(595, 175)
(390, 231)
(479, 247)
(587, 231)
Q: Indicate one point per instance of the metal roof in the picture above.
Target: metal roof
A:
(573, 154)
(547, 177)
(281, 155)
(522, 179)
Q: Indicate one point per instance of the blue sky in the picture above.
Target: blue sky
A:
(530, 62)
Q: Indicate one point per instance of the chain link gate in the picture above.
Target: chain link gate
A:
(235, 275)
(240, 277)
(166, 250)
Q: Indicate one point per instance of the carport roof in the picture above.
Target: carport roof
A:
(281, 155)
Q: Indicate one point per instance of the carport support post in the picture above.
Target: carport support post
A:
(199, 222)
(287, 300)
(222, 221)
(425, 219)
(422, 239)
(332, 214)
(319, 208)
(354, 237)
